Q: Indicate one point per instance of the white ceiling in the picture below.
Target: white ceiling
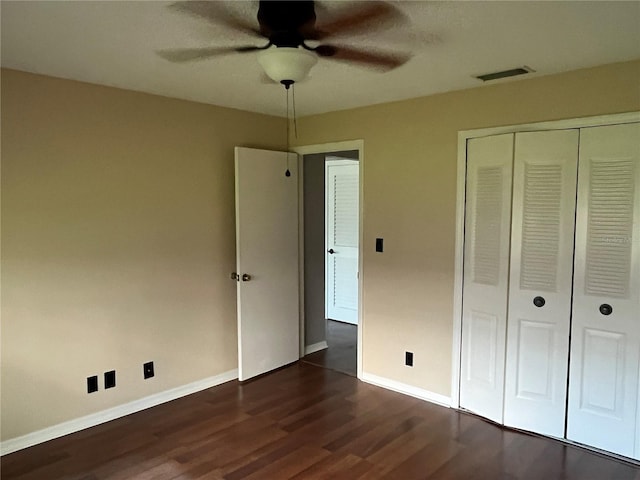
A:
(114, 43)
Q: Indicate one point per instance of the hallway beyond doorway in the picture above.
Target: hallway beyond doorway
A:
(341, 354)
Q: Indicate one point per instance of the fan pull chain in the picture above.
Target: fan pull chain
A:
(287, 173)
(295, 117)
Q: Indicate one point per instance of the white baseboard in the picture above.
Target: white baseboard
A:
(412, 391)
(75, 425)
(316, 347)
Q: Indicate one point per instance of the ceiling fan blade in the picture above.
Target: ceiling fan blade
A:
(215, 12)
(374, 58)
(181, 55)
(364, 16)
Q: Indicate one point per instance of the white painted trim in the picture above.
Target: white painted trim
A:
(458, 271)
(360, 347)
(583, 122)
(316, 347)
(410, 390)
(463, 137)
(77, 424)
(301, 316)
(329, 148)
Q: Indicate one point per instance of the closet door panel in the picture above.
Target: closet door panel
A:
(605, 345)
(544, 190)
(486, 269)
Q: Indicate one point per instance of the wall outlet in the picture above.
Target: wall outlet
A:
(92, 384)
(408, 359)
(147, 370)
(110, 379)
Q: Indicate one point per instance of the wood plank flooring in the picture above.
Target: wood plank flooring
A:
(341, 354)
(305, 422)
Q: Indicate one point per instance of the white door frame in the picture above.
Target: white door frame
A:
(463, 136)
(331, 148)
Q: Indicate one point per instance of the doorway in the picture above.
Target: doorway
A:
(325, 341)
(340, 354)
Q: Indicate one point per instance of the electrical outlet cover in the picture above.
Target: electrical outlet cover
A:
(408, 359)
(147, 370)
(92, 384)
(110, 379)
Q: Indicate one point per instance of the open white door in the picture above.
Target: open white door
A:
(341, 215)
(267, 260)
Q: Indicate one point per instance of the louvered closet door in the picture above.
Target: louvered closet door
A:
(486, 269)
(605, 337)
(544, 191)
(342, 180)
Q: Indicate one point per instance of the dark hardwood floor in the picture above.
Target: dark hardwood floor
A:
(305, 422)
(341, 354)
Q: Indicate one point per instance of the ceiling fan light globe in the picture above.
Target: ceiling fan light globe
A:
(287, 63)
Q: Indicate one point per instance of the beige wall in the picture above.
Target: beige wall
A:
(118, 238)
(118, 230)
(410, 155)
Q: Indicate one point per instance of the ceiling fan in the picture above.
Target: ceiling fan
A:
(288, 27)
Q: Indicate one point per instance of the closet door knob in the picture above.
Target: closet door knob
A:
(539, 302)
(606, 309)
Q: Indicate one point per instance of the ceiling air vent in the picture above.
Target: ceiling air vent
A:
(504, 74)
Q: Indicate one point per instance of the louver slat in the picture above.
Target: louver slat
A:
(345, 214)
(610, 227)
(541, 227)
(486, 226)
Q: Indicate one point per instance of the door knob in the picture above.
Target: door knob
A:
(539, 302)
(246, 277)
(235, 276)
(606, 309)
(331, 251)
